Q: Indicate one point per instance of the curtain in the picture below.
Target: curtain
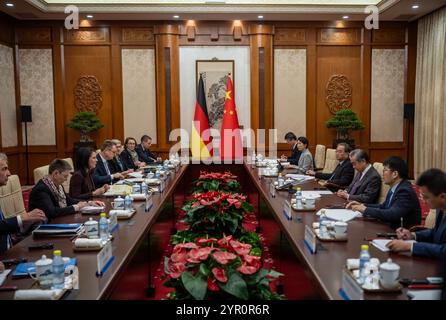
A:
(430, 93)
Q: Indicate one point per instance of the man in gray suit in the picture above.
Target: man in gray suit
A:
(366, 185)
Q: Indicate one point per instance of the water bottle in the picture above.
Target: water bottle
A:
(157, 174)
(58, 269)
(144, 188)
(322, 225)
(299, 198)
(103, 227)
(364, 257)
(127, 202)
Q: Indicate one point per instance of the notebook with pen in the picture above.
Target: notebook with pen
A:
(24, 269)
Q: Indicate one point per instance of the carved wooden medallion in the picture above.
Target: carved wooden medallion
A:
(338, 93)
(88, 94)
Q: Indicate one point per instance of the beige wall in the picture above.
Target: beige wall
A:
(290, 84)
(7, 98)
(139, 93)
(387, 115)
(37, 90)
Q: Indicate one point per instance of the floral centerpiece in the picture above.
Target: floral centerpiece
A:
(216, 213)
(216, 181)
(218, 269)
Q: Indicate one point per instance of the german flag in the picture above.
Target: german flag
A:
(199, 144)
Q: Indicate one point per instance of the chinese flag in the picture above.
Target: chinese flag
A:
(200, 141)
(231, 146)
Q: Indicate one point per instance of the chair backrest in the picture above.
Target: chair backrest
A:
(330, 161)
(384, 187)
(429, 222)
(40, 172)
(427, 215)
(11, 198)
(319, 156)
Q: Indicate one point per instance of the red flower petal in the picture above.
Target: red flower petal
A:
(245, 269)
(212, 286)
(219, 274)
(223, 257)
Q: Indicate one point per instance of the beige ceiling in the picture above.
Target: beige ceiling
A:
(271, 10)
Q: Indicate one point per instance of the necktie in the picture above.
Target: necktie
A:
(120, 164)
(106, 168)
(357, 184)
(9, 243)
(388, 198)
(334, 172)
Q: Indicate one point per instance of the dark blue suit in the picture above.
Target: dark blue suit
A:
(404, 204)
(295, 156)
(145, 155)
(7, 227)
(432, 242)
(100, 175)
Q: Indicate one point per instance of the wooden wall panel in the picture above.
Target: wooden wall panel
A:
(6, 29)
(94, 61)
(336, 60)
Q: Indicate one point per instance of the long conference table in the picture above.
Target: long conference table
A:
(325, 266)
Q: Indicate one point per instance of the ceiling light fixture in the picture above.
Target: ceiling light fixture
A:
(10, 5)
(176, 16)
(90, 16)
(415, 6)
(345, 17)
(260, 17)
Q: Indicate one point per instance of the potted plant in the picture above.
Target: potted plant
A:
(344, 121)
(85, 122)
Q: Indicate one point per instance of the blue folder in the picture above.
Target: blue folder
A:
(22, 269)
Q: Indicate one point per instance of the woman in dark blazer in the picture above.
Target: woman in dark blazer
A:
(81, 184)
(129, 156)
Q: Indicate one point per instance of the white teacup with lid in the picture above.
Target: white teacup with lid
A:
(118, 203)
(44, 273)
(92, 229)
(389, 272)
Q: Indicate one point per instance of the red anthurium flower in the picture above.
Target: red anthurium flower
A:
(212, 286)
(236, 203)
(223, 257)
(219, 274)
(253, 261)
(187, 245)
(176, 269)
(203, 241)
(179, 256)
(224, 242)
(245, 269)
(240, 248)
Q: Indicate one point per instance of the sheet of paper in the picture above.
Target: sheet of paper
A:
(300, 177)
(381, 244)
(4, 275)
(344, 215)
(424, 294)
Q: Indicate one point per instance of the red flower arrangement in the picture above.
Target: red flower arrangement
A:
(216, 181)
(225, 267)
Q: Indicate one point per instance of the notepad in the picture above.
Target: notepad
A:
(381, 244)
(344, 215)
(300, 177)
(424, 294)
(4, 275)
(58, 230)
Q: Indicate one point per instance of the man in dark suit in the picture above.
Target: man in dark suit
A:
(105, 171)
(342, 176)
(16, 224)
(366, 185)
(429, 242)
(401, 206)
(291, 140)
(144, 153)
(49, 195)
(119, 165)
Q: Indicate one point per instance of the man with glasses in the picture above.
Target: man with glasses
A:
(430, 242)
(105, 173)
(401, 207)
(366, 185)
(342, 176)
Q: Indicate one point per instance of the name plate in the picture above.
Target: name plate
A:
(113, 222)
(310, 239)
(104, 259)
(149, 202)
(351, 289)
(287, 210)
(272, 189)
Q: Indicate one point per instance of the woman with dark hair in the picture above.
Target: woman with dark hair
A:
(129, 156)
(81, 183)
(306, 159)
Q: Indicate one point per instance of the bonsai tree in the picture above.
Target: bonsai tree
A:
(85, 123)
(344, 121)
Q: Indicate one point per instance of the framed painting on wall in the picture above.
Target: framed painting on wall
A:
(215, 77)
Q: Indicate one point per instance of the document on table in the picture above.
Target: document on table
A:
(381, 244)
(4, 275)
(300, 177)
(344, 215)
(424, 294)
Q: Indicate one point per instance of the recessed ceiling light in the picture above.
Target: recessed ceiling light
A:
(345, 17)
(176, 16)
(10, 4)
(260, 17)
(415, 6)
(90, 16)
